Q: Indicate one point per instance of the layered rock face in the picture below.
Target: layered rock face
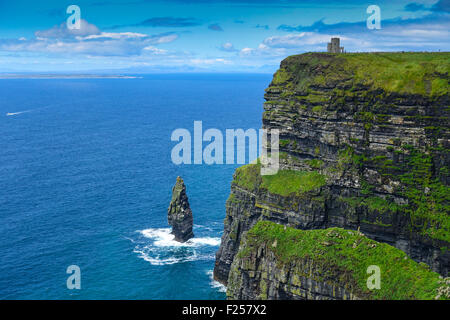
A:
(276, 262)
(364, 144)
(180, 214)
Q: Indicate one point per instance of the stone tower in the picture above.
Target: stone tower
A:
(335, 46)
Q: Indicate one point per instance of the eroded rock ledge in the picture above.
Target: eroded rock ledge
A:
(276, 262)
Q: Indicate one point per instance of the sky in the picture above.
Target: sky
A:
(166, 36)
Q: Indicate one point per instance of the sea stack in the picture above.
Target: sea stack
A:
(180, 214)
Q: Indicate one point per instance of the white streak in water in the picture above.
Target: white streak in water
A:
(25, 111)
(16, 113)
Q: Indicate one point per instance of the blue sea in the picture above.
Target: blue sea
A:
(86, 178)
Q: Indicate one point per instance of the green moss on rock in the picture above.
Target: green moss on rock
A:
(346, 255)
(284, 183)
(428, 197)
(406, 73)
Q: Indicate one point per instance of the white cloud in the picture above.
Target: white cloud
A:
(165, 38)
(61, 31)
(297, 40)
(89, 40)
(228, 47)
(112, 35)
(262, 51)
(154, 50)
(282, 46)
(209, 61)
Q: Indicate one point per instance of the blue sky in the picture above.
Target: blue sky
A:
(140, 36)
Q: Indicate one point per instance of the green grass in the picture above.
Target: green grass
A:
(428, 197)
(315, 163)
(429, 211)
(284, 183)
(403, 72)
(284, 142)
(408, 73)
(248, 176)
(343, 256)
(374, 203)
(317, 109)
(280, 77)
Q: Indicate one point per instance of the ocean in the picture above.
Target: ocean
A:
(86, 178)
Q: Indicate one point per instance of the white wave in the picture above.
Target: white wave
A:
(156, 259)
(163, 238)
(162, 249)
(205, 241)
(198, 226)
(17, 113)
(215, 284)
(129, 239)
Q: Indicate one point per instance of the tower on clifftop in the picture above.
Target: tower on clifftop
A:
(335, 46)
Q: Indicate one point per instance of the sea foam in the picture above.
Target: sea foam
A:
(163, 238)
(158, 246)
(215, 284)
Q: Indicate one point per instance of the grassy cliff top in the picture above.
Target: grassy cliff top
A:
(426, 74)
(344, 255)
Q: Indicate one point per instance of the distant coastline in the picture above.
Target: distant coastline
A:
(65, 76)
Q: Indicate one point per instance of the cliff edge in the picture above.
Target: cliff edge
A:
(364, 145)
(276, 262)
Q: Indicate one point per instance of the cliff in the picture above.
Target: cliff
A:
(275, 262)
(364, 141)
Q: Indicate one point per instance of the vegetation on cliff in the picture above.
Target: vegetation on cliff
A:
(364, 145)
(344, 256)
(284, 183)
(404, 73)
(378, 91)
(428, 197)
